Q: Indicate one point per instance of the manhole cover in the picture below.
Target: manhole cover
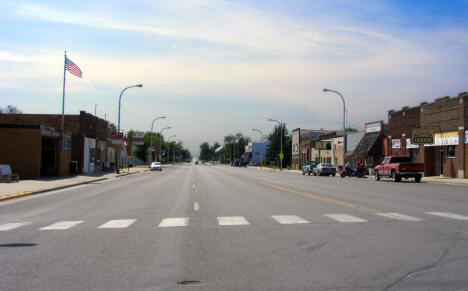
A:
(189, 282)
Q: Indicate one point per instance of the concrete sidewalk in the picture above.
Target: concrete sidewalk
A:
(29, 187)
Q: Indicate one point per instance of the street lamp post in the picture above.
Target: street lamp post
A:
(168, 139)
(344, 122)
(281, 141)
(261, 133)
(160, 138)
(151, 136)
(117, 170)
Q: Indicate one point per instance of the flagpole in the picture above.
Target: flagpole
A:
(63, 100)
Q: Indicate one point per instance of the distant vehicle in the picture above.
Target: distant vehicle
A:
(399, 167)
(324, 169)
(308, 167)
(239, 163)
(156, 166)
(197, 162)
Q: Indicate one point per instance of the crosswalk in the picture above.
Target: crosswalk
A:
(235, 221)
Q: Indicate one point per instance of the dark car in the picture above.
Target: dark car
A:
(308, 167)
(239, 163)
(325, 169)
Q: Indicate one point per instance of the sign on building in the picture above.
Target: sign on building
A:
(374, 127)
(396, 143)
(409, 145)
(422, 135)
(466, 136)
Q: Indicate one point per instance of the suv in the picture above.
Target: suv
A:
(308, 167)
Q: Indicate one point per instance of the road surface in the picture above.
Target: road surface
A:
(195, 227)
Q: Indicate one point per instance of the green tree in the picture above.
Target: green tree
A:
(205, 151)
(10, 109)
(275, 146)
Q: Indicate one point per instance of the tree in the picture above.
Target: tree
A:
(205, 152)
(351, 129)
(10, 109)
(275, 146)
(112, 127)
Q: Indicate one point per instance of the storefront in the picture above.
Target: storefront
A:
(441, 156)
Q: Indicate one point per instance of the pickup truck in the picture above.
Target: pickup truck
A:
(399, 167)
(308, 167)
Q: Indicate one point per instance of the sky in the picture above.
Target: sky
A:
(221, 67)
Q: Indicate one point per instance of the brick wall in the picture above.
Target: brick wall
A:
(21, 149)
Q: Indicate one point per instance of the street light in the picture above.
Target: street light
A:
(168, 139)
(118, 125)
(281, 141)
(261, 133)
(344, 121)
(160, 138)
(151, 135)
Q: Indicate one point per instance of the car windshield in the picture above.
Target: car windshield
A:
(326, 165)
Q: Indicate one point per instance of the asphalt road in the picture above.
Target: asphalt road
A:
(222, 228)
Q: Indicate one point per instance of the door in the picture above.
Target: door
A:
(441, 161)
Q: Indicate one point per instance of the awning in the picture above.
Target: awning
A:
(368, 145)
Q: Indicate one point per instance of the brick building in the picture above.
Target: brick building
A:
(447, 156)
(89, 135)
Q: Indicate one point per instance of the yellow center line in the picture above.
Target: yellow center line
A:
(315, 196)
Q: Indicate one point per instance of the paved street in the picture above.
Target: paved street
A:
(222, 228)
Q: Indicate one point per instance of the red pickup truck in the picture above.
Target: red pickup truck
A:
(399, 167)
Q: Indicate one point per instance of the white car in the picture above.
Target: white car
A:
(155, 166)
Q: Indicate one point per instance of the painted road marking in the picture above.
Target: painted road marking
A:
(12, 225)
(171, 222)
(345, 218)
(289, 219)
(399, 216)
(196, 206)
(449, 215)
(232, 220)
(118, 223)
(61, 225)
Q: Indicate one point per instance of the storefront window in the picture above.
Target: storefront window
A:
(451, 152)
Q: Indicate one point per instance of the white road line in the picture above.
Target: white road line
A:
(345, 218)
(61, 225)
(12, 225)
(399, 216)
(449, 215)
(196, 206)
(289, 219)
(171, 222)
(118, 223)
(232, 220)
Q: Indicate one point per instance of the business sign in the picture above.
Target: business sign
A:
(409, 145)
(445, 138)
(138, 134)
(117, 135)
(396, 143)
(466, 136)
(422, 135)
(374, 127)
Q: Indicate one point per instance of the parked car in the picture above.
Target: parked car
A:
(308, 167)
(196, 162)
(239, 163)
(399, 167)
(324, 169)
(156, 166)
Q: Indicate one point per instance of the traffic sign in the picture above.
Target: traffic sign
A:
(281, 156)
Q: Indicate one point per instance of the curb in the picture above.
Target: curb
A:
(27, 193)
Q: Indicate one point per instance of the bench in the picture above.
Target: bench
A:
(6, 176)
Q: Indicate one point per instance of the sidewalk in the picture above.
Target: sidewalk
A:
(29, 187)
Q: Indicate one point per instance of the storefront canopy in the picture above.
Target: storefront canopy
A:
(367, 145)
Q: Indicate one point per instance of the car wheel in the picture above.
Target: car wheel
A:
(377, 176)
(333, 175)
(303, 173)
(417, 179)
(395, 177)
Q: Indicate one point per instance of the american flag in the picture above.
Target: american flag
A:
(72, 68)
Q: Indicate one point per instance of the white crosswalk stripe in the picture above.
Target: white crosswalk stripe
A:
(399, 216)
(171, 222)
(61, 225)
(232, 220)
(289, 219)
(12, 225)
(345, 218)
(449, 215)
(118, 223)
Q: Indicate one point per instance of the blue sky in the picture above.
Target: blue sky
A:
(219, 67)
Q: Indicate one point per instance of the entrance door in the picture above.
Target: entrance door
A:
(441, 161)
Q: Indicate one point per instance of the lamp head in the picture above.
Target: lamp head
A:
(326, 90)
(139, 85)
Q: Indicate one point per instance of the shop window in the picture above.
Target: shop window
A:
(451, 152)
